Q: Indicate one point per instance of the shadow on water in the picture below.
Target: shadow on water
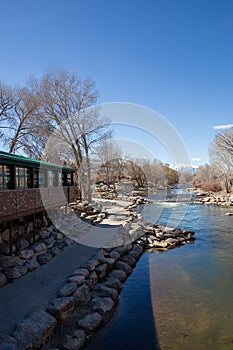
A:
(133, 325)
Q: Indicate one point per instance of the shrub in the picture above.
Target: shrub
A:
(211, 186)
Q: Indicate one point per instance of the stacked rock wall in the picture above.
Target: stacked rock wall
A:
(28, 253)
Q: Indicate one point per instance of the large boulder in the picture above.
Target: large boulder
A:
(129, 259)
(90, 322)
(82, 295)
(110, 262)
(113, 282)
(162, 244)
(26, 254)
(44, 233)
(101, 270)
(39, 247)
(171, 242)
(5, 248)
(137, 248)
(101, 290)
(92, 280)
(60, 236)
(22, 243)
(82, 271)
(121, 265)
(119, 250)
(6, 235)
(44, 258)
(49, 240)
(8, 261)
(54, 250)
(67, 289)
(32, 264)
(119, 274)
(115, 255)
(134, 254)
(15, 271)
(61, 307)
(92, 263)
(3, 279)
(103, 304)
(35, 329)
(78, 279)
(75, 341)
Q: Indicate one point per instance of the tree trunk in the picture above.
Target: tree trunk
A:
(89, 191)
(87, 172)
(227, 184)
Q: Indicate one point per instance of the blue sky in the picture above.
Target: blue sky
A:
(175, 57)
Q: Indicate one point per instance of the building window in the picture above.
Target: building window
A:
(5, 177)
(70, 179)
(39, 178)
(51, 178)
(60, 178)
(64, 179)
(22, 178)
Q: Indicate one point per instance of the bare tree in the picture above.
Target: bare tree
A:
(17, 121)
(186, 177)
(7, 101)
(221, 156)
(136, 173)
(144, 173)
(224, 142)
(157, 177)
(22, 122)
(7, 104)
(205, 173)
(170, 175)
(66, 103)
(109, 163)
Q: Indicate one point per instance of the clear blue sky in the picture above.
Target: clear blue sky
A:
(172, 56)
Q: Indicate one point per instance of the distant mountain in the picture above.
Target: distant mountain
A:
(181, 167)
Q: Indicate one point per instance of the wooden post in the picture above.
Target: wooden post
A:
(10, 237)
(33, 229)
(42, 218)
(68, 195)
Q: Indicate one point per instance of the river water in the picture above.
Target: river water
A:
(181, 298)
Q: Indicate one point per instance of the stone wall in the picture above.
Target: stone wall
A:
(26, 254)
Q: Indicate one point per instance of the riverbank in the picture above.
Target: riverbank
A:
(217, 198)
(87, 299)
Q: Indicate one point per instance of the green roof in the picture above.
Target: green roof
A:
(9, 158)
